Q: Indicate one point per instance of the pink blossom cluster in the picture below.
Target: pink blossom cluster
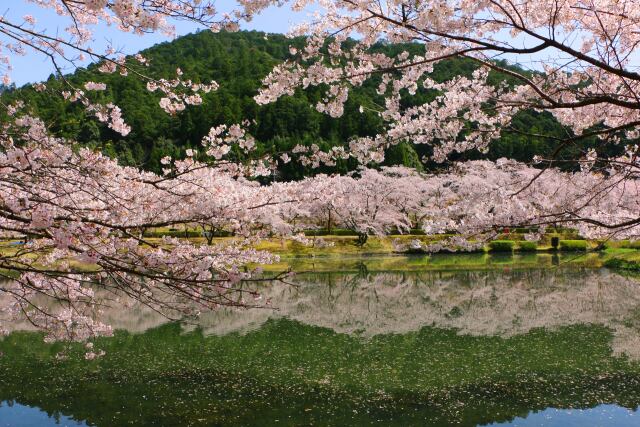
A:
(587, 52)
(84, 220)
(78, 207)
(179, 93)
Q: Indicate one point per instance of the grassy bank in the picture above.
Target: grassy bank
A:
(332, 252)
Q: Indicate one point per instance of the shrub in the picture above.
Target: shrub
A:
(526, 246)
(555, 240)
(319, 232)
(573, 245)
(501, 246)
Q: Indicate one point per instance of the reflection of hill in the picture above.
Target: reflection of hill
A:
(485, 360)
(309, 375)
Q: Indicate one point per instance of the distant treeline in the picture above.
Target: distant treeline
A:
(238, 62)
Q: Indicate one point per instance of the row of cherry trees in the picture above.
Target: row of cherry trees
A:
(82, 220)
(83, 216)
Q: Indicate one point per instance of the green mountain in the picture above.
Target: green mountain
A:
(238, 62)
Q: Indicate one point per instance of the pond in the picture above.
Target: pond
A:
(493, 342)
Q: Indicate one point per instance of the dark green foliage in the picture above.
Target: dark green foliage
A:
(573, 245)
(622, 264)
(555, 241)
(501, 246)
(176, 233)
(238, 62)
(525, 246)
(334, 232)
(417, 232)
(403, 154)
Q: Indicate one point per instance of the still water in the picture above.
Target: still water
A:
(546, 345)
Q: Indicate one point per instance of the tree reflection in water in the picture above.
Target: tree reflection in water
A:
(441, 347)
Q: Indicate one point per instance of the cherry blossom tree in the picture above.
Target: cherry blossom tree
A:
(476, 199)
(371, 203)
(587, 52)
(583, 58)
(82, 217)
(481, 198)
(584, 71)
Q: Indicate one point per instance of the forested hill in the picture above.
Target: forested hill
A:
(238, 61)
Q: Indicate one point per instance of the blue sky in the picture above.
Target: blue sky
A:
(33, 68)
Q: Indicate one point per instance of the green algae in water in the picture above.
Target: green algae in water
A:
(430, 348)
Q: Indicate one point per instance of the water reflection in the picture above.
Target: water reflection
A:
(495, 347)
(479, 303)
(600, 416)
(16, 415)
(475, 303)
